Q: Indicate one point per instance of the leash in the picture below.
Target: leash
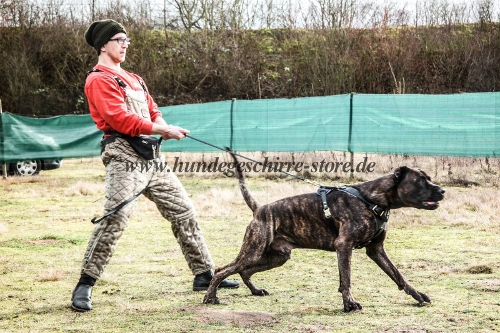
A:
(381, 215)
(96, 220)
(322, 191)
(227, 150)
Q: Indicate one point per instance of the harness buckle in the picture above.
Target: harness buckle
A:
(374, 210)
(380, 212)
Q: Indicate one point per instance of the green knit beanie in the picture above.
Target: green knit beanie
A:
(100, 32)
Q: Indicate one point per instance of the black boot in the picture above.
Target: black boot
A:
(81, 298)
(202, 281)
(83, 292)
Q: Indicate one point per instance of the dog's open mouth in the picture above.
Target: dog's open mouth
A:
(430, 204)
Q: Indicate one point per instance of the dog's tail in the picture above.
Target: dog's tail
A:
(251, 202)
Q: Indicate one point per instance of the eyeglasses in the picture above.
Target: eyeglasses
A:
(121, 41)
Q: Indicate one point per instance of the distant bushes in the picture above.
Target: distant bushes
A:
(42, 69)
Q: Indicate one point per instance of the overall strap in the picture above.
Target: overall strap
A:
(118, 80)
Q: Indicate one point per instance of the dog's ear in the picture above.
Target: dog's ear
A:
(399, 173)
(425, 174)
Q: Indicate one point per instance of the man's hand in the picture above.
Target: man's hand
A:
(174, 132)
(169, 131)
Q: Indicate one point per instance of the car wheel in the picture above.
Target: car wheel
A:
(26, 168)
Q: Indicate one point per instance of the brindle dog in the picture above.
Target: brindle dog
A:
(299, 222)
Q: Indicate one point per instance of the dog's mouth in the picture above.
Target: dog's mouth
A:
(432, 201)
(430, 204)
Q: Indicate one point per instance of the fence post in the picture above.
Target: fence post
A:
(4, 165)
(350, 137)
(231, 124)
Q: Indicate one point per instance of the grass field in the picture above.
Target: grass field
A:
(451, 254)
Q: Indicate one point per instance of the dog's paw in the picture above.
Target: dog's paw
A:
(260, 292)
(210, 300)
(418, 296)
(352, 306)
(422, 298)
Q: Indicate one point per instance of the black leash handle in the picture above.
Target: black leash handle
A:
(227, 150)
(96, 220)
(117, 208)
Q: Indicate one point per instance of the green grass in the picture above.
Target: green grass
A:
(450, 254)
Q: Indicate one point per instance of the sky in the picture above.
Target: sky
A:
(154, 10)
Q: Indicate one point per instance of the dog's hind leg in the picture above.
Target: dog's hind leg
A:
(220, 274)
(377, 253)
(271, 259)
(252, 251)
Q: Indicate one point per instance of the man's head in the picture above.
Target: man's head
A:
(100, 32)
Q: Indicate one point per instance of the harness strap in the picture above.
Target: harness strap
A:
(381, 215)
(322, 193)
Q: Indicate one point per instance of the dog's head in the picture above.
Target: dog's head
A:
(415, 189)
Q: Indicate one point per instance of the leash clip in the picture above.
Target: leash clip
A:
(322, 191)
(327, 212)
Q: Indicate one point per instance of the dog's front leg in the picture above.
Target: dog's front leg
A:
(344, 254)
(377, 253)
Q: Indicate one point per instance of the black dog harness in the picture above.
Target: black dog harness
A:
(381, 215)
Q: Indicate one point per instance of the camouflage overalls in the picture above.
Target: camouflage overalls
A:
(164, 189)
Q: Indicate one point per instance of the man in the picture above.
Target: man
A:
(122, 108)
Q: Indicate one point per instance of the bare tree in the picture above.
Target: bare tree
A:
(484, 11)
(20, 13)
(52, 12)
(267, 13)
(238, 16)
(289, 16)
(328, 14)
(190, 13)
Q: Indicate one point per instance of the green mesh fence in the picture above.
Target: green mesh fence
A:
(23, 138)
(286, 125)
(452, 125)
(449, 125)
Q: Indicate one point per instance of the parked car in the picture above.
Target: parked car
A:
(31, 167)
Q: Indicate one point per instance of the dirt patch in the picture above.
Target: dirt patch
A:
(486, 284)
(42, 242)
(33, 242)
(403, 330)
(312, 328)
(208, 315)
